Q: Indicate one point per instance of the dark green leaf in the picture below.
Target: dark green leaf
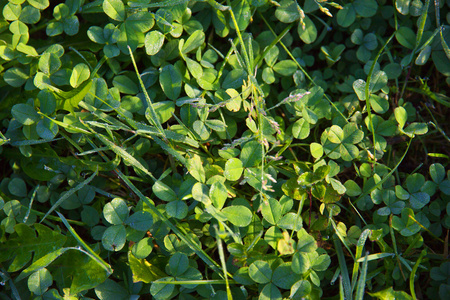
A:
(115, 9)
(141, 220)
(170, 80)
(238, 215)
(260, 272)
(25, 114)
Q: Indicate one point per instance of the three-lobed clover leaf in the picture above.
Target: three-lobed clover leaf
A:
(405, 224)
(340, 142)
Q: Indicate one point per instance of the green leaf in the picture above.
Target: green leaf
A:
(389, 293)
(46, 129)
(352, 135)
(71, 25)
(163, 191)
(287, 11)
(125, 85)
(268, 75)
(346, 16)
(141, 220)
(129, 37)
(39, 4)
(195, 168)
(170, 80)
(17, 187)
(200, 193)
(201, 129)
(321, 262)
(96, 35)
(336, 134)
(416, 128)
(115, 9)
(401, 116)
(178, 264)
(162, 290)
(140, 21)
(216, 125)
(406, 37)
(402, 6)
(234, 79)
(405, 225)
(300, 263)
(306, 243)
(352, 188)
(11, 12)
(290, 221)
(80, 74)
(154, 41)
(271, 210)
(218, 194)
(143, 270)
(238, 215)
(54, 28)
(378, 81)
(309, 115)
(25, 114)
(15, 77)
(283, 277)
(111, 290)
(242, 13)
(359, 87)
(177, 209)
(270, 292)
(419, 200)
(114, 238)
(194, 68)
(309, 33)
(293, 189)
(72, 98)
(40, 281)
(316, 150)
(437, 172)
(164, 111)
(116, 211)
(141, 249)
(41, 263)
(260, 272)
(194, 41)
(251, 154)
(85, 272)
(300, 289)
(365, 8)
(285, 67)
(27, 49)
(49, 63)
(21, 247)
(233, 169)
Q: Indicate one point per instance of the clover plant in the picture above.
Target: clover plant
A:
(224, 149)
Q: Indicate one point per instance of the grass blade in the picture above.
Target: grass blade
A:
(413, 274)
(366, 90)
(86, 247)
(345, 282)
(70, 193)
(385, 177)
(362, 280)
(150, 113)
(124, 155)
(223, 262)
(359, 248)
(196, 248)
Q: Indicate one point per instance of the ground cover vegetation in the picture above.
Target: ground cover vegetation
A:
(246, 149)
